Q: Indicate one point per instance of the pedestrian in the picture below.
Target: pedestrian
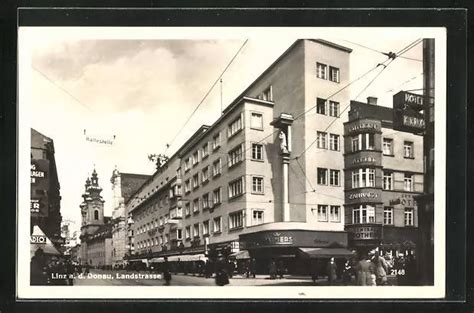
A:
(364, 271)
(381, 270)
(331, 270)
(166, 272)
(314, 270)
(253, 267)
(222, 277)
(38, 274)
(272, 269)
(280, 269)
(347, 273)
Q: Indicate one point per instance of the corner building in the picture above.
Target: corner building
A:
(383, 176)
(266, 179)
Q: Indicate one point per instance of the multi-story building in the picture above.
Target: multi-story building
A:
(96, 229)
(383, 175)
(266, 178)
(123, 186)
(45, 189)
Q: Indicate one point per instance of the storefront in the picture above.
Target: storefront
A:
(294, 249)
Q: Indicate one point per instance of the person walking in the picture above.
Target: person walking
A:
(347, 273)
(272, 269)
(166, 272)
(381, 270)
(280, 269)
(222, 277)
(364, 271)
(314, 270)
(331, 270)
(38, 274)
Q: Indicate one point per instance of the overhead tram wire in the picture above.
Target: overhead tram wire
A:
(379, 51)
(205, 96)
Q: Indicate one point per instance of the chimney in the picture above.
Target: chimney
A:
(372, 100)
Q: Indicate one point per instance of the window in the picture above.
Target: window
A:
(236, 155)
(334, 177)
(206, 201)
(216, 196)
(187, 232)
(257, 151)
(334, 74)
(322, 176)
(236, 187)
(387, 180)
(321, 70)
(167, 238)
(161, 221)
(196, 205)
(216, 141)
(267, 94)
(408, 182)
(179, 234)
(370, 141)
(234, 127)
(196, 181)
(236, 220)
(387, 146)
(205, 174)
(388, 215)
(195, 158)
(205, 228)
(363, 142)
(335, 213)
(216, 167)
(321, 106)
(256, 120)
(408, 150)
(363, 177)
(409, 217)
(187, 164)
(187, 209)
(257, 217)
(363, 214)
(167, 217)
(322, 213)
(356, 144)
(334, 108)
(257, 184)
(96, 214)
(187, 186)
(334, 142)
(196, 230)
(321, 140)
(217, 225)
(205, 150)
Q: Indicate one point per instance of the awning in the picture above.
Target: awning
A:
(241, 255)
(187, 258)
(325, 252)
(40, 241)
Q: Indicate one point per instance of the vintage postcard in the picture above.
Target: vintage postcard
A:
(288, 163)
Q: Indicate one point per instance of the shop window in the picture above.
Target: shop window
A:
(322, 176)
(409, 217)
(257, 217)
(257, 184)
(388, 216)
(257, 151)
(236, 220)
(321, 70)
(387, 146)
(322, 213)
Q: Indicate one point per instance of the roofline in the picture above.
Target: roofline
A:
(331, 44)
(194, 137)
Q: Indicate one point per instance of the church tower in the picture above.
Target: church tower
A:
(92, 206)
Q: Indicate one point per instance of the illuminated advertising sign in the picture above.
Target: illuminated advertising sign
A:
(39, 178)
(408, 112)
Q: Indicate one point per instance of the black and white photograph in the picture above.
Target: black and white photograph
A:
(231, 162)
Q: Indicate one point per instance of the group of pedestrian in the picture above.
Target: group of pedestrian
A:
(50, 270)
(277, 269)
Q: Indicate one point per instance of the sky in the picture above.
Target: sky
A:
(142, 91)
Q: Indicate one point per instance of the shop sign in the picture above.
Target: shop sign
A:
(277, 239)
(38, 239)
(360, 160)
(360, 195)
(366, 233)
(39, 172)
(36, 206)
(363, 126)
(405, 200)
(408, 114)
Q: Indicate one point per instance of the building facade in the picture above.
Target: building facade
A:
(383, 177)
(266, 178)
(123, 186)
(45, 188)
(96, 229)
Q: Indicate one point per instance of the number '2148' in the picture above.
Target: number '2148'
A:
(399, 272)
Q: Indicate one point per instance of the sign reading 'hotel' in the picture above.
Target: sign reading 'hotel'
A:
(408, 114)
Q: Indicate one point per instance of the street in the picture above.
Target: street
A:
(113, 279)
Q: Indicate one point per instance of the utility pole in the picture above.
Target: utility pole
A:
(426, 201)
(222, 110)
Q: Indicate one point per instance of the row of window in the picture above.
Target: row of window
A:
(325, 107)
(329, 213)
(322, 72)
(365, 214)
(256, 122)
(365, 177)
(325, 175)
(322, 141)
(408, 151)
(158, 222)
